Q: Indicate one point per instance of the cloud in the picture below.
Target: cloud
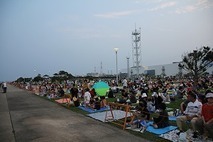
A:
(163, 5)
(186, 9)
(200, 4)
(115, 14)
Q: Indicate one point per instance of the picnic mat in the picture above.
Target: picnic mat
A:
(118, 114)
(61, 101)
(89, 110)
(158, 131)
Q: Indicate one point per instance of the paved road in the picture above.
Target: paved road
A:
(32, 118)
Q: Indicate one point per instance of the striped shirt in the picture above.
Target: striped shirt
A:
(193, 108)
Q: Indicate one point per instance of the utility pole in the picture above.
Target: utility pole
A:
(116, 62)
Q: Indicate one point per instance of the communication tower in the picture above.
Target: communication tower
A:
(136, 49)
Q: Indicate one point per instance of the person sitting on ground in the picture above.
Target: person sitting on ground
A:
(157, 100)
(143, 98)
(193, 110)
(150, 105)
(103, 101)
(60, 92)
(52, 95)
(140, 116)
(181, 92)
(75, 101)
(74, 91)
(110, 93)
(204, 124)
(95, 103)
(162, 119)
(183, 105)
(132, 98)
(93, 92)
(124, 97)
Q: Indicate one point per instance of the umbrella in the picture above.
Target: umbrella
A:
(101, 88)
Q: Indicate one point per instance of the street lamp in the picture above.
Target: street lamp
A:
(116, 54)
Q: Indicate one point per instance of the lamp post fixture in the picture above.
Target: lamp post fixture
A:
(116, 55)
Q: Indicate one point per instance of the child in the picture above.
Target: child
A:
(103, 101)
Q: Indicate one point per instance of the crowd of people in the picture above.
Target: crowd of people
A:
(146, 97)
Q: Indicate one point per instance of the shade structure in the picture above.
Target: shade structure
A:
(101, 88)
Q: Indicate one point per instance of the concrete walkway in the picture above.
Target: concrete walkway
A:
(26, 117)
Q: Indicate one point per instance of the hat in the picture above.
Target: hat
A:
(144, 95)
(209, 95)
(154, 94)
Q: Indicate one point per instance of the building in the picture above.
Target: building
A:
(166, 69)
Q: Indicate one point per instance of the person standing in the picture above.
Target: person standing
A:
(124, 82)
(87, 98)
(4, 87)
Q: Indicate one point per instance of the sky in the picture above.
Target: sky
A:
(46, 36)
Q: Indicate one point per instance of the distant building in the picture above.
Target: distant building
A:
(168, 69)
(149, 72)
(93, 74)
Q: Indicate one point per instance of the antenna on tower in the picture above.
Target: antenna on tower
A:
(101, 73)
(136, 49)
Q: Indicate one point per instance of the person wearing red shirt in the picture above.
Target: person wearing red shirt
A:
(204, 125)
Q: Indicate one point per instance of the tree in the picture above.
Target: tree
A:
(20, 79)
(38, 78)
(198, 61)
(61, 76)
(63, 73)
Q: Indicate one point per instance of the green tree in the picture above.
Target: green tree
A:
(197, 62)
(61, 76)
(20, 79)
(38, 78)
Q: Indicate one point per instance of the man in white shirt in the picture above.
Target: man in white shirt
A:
(124, 82)
(87, 97)
(193, 110)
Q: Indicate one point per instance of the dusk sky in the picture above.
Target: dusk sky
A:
(46, 36)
